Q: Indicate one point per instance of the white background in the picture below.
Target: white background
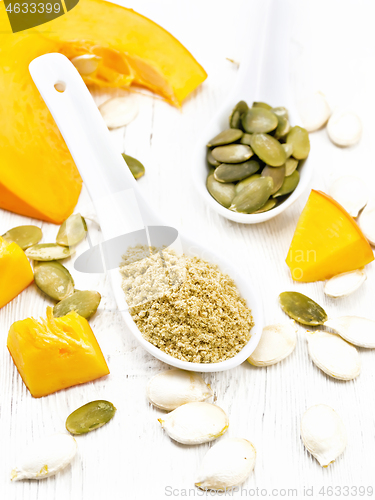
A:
(332, 50)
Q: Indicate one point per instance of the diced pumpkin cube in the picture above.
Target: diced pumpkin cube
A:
(55, 353)
(327, 241)
(15, 271)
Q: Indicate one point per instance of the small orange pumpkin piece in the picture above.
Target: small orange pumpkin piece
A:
(327, 241)
(15, 271)
(55, 353)
(38, 177)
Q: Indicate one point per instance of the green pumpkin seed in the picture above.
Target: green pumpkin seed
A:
(135, 166)
(24, 236)
(268, 149)
(282, 128)
(290, 183)
(222, 193)
(299, 138)
(48, 251)
(288, 148)
(260, 104)
(211, 160)
(225, 137)
(259, 120)
(235, 116)
(253, 196)
(85, 303)
(302, 309)
(53, 279)
(277, 174)
(72, 231)
(245, 139)
(271, 203)
(231, 172)
(233, 153)
(240, 185)
(90, 416)
(281, 111)
(290, 165)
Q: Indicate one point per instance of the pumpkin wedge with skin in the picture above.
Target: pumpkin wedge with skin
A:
(38, 177)
(327, 241)
(15, 271)
(55, 353)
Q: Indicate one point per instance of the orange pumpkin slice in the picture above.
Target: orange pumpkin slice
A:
(327, 241)
(55, 353)
(38, 177)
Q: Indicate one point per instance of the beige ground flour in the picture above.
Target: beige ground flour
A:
(185, 306)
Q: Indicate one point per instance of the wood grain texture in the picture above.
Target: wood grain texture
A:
(332, 47)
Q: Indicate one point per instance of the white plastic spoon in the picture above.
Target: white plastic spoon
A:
(263, 76)
(120, 207)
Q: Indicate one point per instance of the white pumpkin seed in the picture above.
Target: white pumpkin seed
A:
(314, 111)
(366, 221)
(172, 388)
(323, 433)
(344, 284)
(333, 355)
(357, 331)
(344, 128)
(86, 64)
(227, 464)
(119, 111)
(351, 193)
(45, 457)
(276, 343)
(195, 423)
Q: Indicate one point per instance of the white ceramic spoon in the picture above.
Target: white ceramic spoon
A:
(263, 76)
(120, 207)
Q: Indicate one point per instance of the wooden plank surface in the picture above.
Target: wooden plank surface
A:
(331, 46)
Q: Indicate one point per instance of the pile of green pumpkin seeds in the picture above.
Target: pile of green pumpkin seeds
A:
(50, 276)
(254, 163)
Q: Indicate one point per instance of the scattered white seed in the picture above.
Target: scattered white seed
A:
(45, 457)
(195, 423)
(333, 355)
(314, 111)
(276, 343)
(344, 284)
(351, 192)
(119, 111)
(170, 389)
(344, 128)
(227, 464)
(86, 64)
(357, 331)
(323, 433)
(366, 221)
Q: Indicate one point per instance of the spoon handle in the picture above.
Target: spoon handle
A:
(113, 190)
(264, 69)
